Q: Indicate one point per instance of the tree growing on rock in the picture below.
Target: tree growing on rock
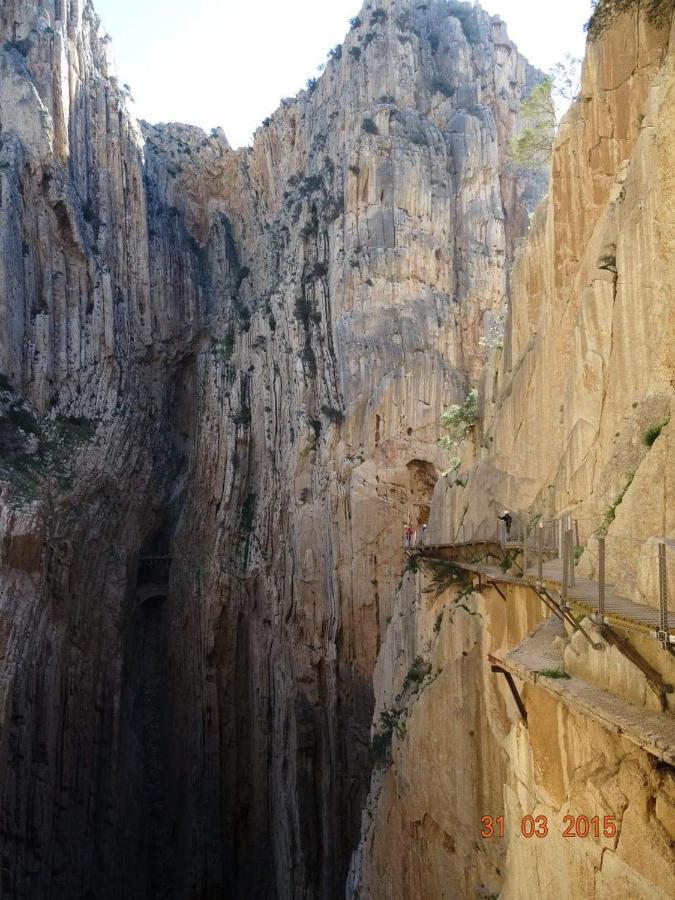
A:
(541, 113)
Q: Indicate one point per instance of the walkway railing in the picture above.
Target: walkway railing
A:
(551, 556)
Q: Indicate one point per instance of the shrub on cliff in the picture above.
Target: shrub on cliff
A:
(458, 421)
(417, 672)
(652, 434)
(369, 126)
(659, 13)
(381, 743)
(533, 145)
(336, 416)
(442, 86)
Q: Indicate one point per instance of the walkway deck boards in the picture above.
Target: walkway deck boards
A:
(583, 595)
(653, 732)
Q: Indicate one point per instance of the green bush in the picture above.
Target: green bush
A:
(336, 416)
(553, 673)
(369, 126)
(355, 23)
(224, 349)
(417, 672)
(23, 419)
(382, 739)
(303, 310)
(378, 17)
(653, 432)
(310, 184)
(442, 86)
(355, 52)
(659, 13)
(336, 52)
(5, 383)
(533, 145)
(458, 422)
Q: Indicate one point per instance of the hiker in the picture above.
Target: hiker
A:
(408, 537)
(424, 534)
(507, 519)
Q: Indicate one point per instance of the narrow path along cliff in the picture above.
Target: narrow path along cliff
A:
(222, 378)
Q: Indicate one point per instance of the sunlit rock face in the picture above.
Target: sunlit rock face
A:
(574, 419)
(237, 360)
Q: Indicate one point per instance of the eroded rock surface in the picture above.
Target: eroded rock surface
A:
(574, 420)
(238, 360)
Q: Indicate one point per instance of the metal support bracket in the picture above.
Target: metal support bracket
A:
(496, 667)
(654, 679)
(499, 590)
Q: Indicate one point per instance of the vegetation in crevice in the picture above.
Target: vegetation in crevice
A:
(382, 739)
(553, 673)
(33, 450)
(658, 13)
(444, 575)
(459, 421)
(610, 515)
(416, 674)
(653, 433)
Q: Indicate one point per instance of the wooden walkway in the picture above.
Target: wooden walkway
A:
(583, 596)
(539, 653)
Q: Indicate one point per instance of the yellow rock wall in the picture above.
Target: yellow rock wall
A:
(587, 367)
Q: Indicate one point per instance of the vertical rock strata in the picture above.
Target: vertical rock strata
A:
(239, 360)
(576, 419)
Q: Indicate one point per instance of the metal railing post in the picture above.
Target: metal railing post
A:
(601, 579)
(565, 573)
(540, 566)
(525, 551)
(663, 590)
(573, 556)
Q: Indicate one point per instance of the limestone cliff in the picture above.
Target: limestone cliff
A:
(576, 411)
(238, 360)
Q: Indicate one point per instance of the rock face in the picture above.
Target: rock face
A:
(574, 420)
(238, 360)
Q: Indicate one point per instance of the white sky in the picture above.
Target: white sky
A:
(229, 63)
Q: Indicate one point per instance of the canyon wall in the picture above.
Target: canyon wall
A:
(236, 359)
(575, 419)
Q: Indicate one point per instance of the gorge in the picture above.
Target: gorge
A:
(222, 376)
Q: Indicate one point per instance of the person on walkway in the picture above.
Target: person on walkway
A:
(424, 534)
(408, 537)
(507, 519)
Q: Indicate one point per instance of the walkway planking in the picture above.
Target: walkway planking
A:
(650, 731)
(582, 596)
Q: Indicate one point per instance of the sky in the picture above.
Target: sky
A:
(228, 63)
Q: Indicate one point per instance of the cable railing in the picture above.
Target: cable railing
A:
(550, 552)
